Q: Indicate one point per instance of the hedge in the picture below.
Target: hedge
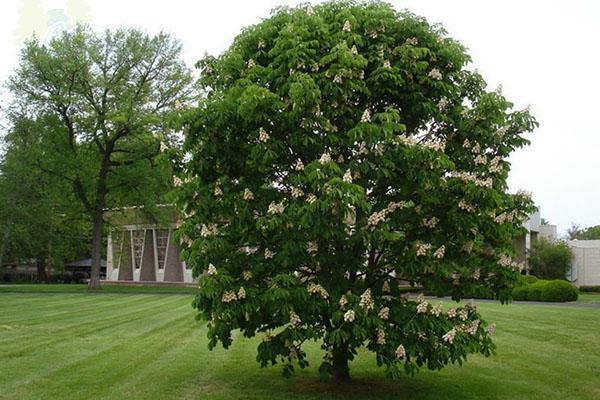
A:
(551, 291)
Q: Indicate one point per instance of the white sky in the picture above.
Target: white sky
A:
(544, 53)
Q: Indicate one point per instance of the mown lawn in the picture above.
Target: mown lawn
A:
(148, 346)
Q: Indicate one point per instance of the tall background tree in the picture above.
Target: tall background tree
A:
(39, 220)
(114, 95)
(550, 259)
(341, 151)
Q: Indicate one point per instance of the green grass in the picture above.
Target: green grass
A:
(148, 346)
(106, 288)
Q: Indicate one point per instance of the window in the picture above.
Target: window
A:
(162, 241)
(138, 246)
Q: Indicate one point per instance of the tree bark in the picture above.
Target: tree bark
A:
(98, 223)
(341, 371)
(41, 270)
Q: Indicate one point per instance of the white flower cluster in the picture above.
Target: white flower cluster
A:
(480, 160)
(209, 230)
(472, 329)
(502, 131)
(387, 64)
(366, 116)
(212, 270)
(269, 254)
(452, 313)
(354, 50)
(443, 104)
(297, 192)
(295, 320)
(312, 248)
(380, 337)
(523, 193)
(422, 248)
(400, 352)
(247, 275)
(491, 329)
(439, 253)
(430, 223)
(317, 289)
(337, 78)
(347, 27)
(495, 165)
(276, 208)
(476, 149)
(251, 63)
(299, 166)
(241, 293)
(248, 195)
(463, 314)
(413, 41)
(384, 313)
(422, 307)
(325, 158)
(468, 247)
(385, 288)
(366, 300)
(434, 145)
(311, 198)
(377, 217)
(349, 316)
(435, 74)
(477, 274)
(394, 205)
(507, 262)
(463, 205)
(263, 136)
(467, 144)
(229, 296)
(261, 44)
(449, 336)
(472, 178)
(347, 176)
(218, 192)
(437, 310)
(343, 301)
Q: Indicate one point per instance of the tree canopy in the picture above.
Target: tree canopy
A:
(342, 152)
(114, 95)
(550, 259)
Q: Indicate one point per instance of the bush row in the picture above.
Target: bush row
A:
(543, 290)
(589, 288)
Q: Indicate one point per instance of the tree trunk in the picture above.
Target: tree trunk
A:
(4, 244)
(98, 223)
(341, 371)
(42, 276)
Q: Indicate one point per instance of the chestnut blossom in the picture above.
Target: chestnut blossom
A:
(380, 336)
(241, 293)
(317, 289)
(384, 313)
(312, 248)
(366, 116)
(437, 310)
(248, 195)
(443, 104)
(337, 78)
(325, 158)
(218, 192)
(251, 63)
(430, 223)
(385, 288)
(452, 313)
(295, 320)
(276, 208)
(247, 275)
(491, 329)
(209, 230)
(435, 74)
(347, 27)
(347, 176)
(228, 297)
(422, 248)
(311, 198)
(463, 205)
(354, 50)
(439, 253)
(349, 316)
(449, 336)
(422, 307)
(387, 64)
(211, 270)
(269, 254)
(297, 192)
(400, 352)
(299, 166)
(366, 300)
(343, 301)
(263, 136)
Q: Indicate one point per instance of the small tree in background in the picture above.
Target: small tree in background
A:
(341, 151)
(550, 259)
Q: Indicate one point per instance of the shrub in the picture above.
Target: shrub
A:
(589, 288)
(542, 290)
(559, 291)
(550, 260)
(527, 279)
